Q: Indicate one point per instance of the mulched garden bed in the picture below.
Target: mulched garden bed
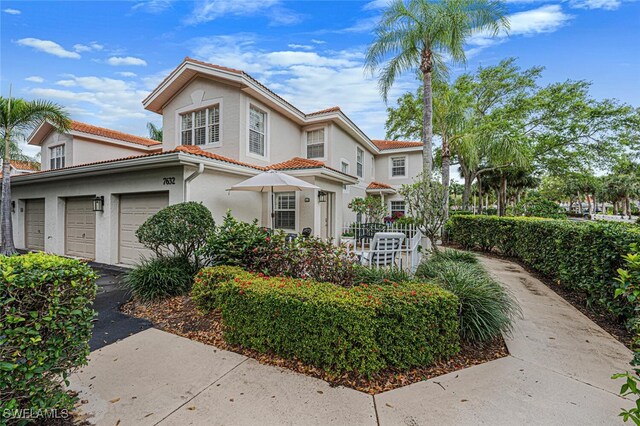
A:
(179, 316)
(606, 320)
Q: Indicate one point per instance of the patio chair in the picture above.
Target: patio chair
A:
(384, 249)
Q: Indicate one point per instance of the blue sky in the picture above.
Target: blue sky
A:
(101, 58)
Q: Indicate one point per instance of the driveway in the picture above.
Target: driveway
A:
(558, 373)
(112, 325)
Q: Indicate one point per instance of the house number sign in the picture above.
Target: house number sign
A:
(168, 181)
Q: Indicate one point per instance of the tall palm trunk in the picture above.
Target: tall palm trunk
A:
(426, 68)
(446, 162)
(466, 193)
(480, 195)
(8, 247)
(502, 195)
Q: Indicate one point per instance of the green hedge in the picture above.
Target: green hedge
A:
(363, 328)
(580, 255)
(45, 327)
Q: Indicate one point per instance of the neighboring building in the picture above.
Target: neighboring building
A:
(21, 167)
(220, 126)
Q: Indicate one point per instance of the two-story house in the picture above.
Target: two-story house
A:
(220, 126)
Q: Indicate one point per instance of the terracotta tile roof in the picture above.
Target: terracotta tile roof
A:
(298, 163)
(196, 150)
(25, 165)
(378, 185)
(386, 144)
(113, 134)
(325, 111)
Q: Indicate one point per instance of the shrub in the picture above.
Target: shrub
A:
(455, 256)
(160, 278)
(535, 205)
(45, 327)
(583, 256)
(628, 287)
(486, 308)
(363, 328)
(179, 230)
(232, 242)
(309, 257)
(381, 276)
(255, 249)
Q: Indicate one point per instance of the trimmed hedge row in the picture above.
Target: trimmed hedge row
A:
(363, 328)
(580, 255)
(45, 327)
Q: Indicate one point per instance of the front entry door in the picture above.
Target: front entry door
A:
(326, 217)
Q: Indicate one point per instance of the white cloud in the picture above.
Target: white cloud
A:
(377, 4)
(87, 47)
(545, 19)
(309, 80)
(35, 79)
(300, 46)
(209, 10)
(127, 74)
(152, 6)
(596, 4)
(12, 11)
(315, 41)
(126, 60)
(48, 46)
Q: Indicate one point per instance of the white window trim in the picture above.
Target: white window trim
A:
(406, 167)
(345, 188)
(364, 165)
(392, 201)
(64, 155)
(326, 145)
(296, 209)
(197, 106)
(267, 128)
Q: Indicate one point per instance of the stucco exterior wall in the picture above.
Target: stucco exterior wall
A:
(52, 140)
(89, 151)
(111, 186)
(198, 94)
(383, 168)
(283, 135)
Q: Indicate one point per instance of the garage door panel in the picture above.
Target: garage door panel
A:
(135, 209)
(80, 231)
(34, 224)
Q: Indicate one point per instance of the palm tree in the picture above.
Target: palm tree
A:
(17, 116)
(155, 132)
(418, 35)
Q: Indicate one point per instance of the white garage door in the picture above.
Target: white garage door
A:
(80, 231)
(134, 210)
(34, 224)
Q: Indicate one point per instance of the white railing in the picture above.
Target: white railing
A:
(378, 252)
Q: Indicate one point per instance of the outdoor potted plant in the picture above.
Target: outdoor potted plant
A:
(348, 238)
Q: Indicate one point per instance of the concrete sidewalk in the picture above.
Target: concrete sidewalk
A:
(558, 373)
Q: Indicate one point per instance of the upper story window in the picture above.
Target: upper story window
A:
(359, 162)
(399, 166)
(200, 127)
(315, 143)
(57, 157)
(285, 210)
(344, 168)
(257, 131)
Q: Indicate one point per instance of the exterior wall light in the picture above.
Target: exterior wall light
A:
(322, 197)
(98, 204)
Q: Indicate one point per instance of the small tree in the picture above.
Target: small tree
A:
(179, 230)
(372, 208)
(425, 201)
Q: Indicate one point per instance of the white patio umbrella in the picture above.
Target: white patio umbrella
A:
(272, 181)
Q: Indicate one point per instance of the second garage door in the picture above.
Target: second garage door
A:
(80, 231)
(134, 210)
(34, 224)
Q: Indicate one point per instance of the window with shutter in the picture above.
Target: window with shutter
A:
(257, 132)
(315, 143)
(200, 127)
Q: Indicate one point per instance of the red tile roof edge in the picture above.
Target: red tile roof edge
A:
(390, 144)
(378, 185)
(299, 163)
(112, 134)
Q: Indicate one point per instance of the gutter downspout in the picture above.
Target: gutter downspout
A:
(191, 177)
